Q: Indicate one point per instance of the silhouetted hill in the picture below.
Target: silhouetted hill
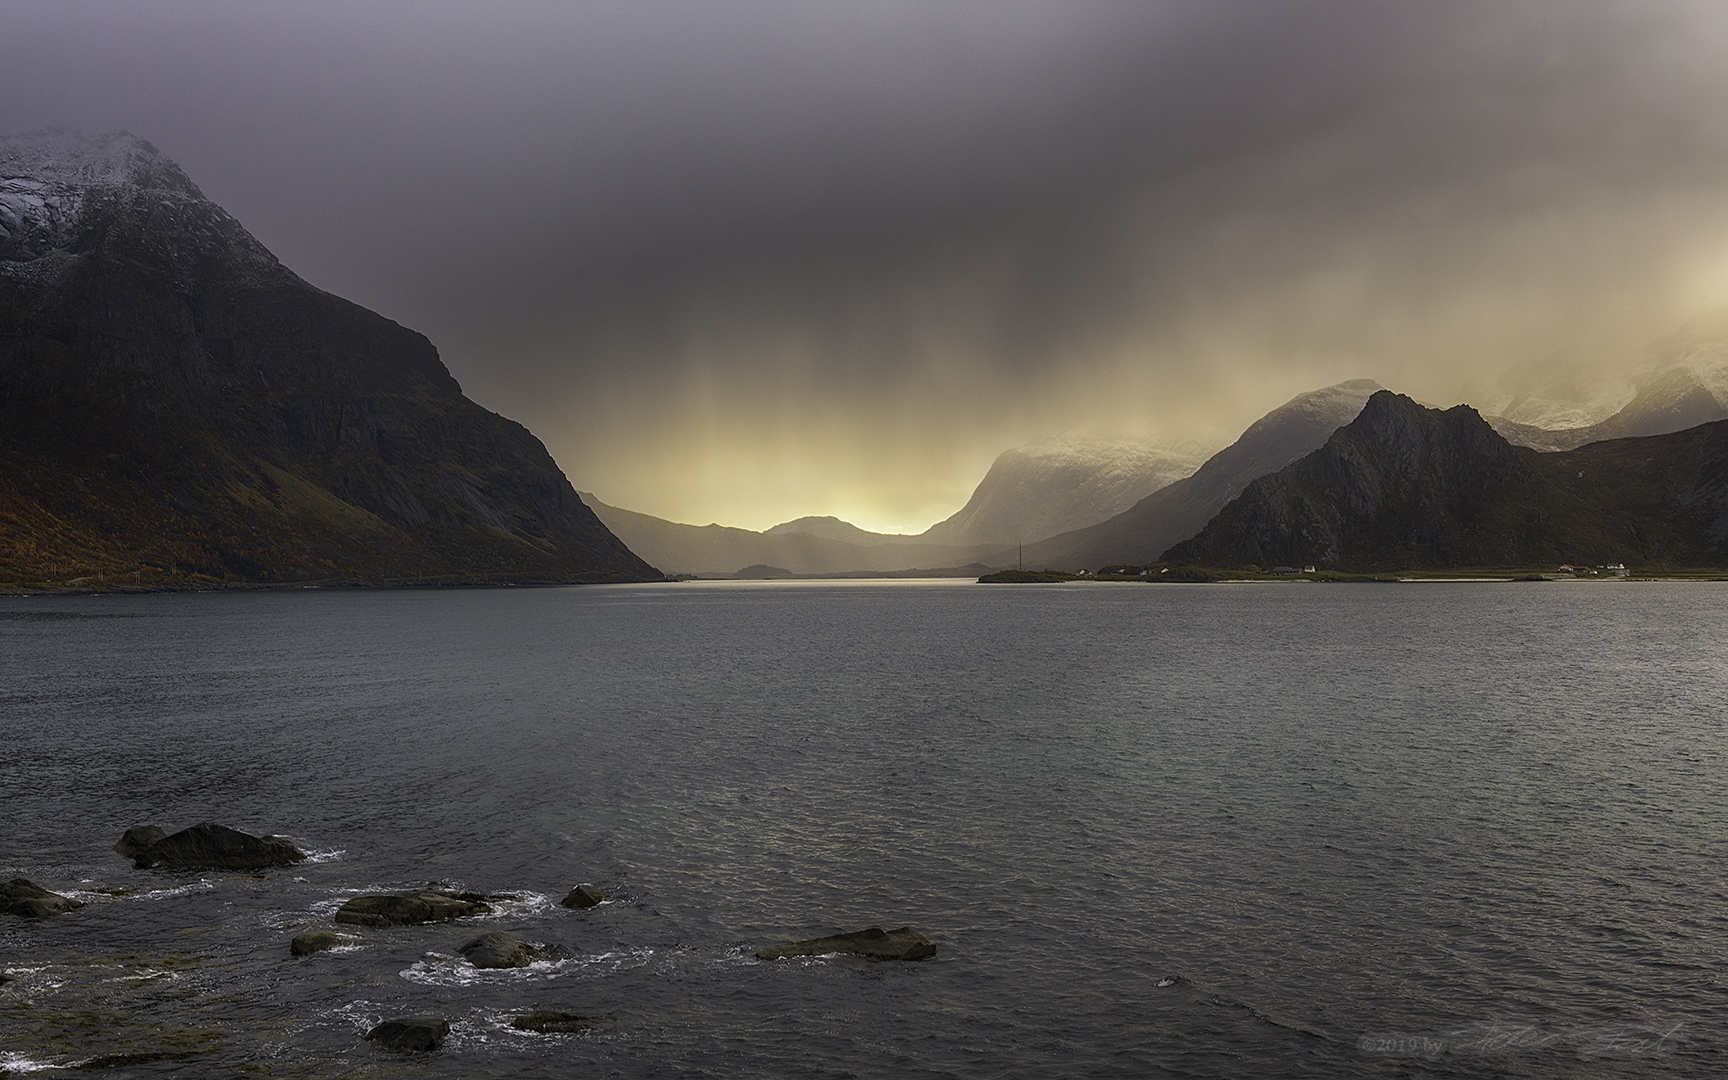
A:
(174, 403)
(1404, 487)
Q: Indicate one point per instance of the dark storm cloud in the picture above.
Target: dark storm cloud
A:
(751, 260)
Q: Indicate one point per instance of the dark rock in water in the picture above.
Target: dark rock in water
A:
(135, 840)
(499, 950)
(547, 1022)
(407, 909)
(317, 941)
(411, 1034)
(874, 943)
(583, 896)
(30, 900)
(207, 845)
(483, 897)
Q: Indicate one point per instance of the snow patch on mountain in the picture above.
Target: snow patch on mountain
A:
(62, 191)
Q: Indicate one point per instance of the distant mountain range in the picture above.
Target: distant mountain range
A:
(1347, 476)
(1404, 487)
(1175, 512)
(806, 546)
(176, 407)
(1029, 493)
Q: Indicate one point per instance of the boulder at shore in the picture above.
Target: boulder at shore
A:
(547, 1022)
(206, 845)
(874, 943)
(499, 950)
(407, 909)
(583, 896)
(316, 941)
(411, 1034)
(21, 896)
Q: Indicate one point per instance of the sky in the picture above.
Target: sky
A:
(744, 261)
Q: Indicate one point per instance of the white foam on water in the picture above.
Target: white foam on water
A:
(526, 903)
(323, 855)
(440, 970)
(361, 1015)
(201, 885)
(143, 976)
(13, 1062)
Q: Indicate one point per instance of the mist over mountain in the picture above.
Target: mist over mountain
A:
(1179, 510)
(176, 403)
(1058, 484)
(1687, 385)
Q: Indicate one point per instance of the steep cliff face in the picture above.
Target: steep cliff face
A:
(173, 401)
(1407, 487)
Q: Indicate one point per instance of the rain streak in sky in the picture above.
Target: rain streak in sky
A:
(745, 261)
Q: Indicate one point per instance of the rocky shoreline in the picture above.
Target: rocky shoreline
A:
(217, 847)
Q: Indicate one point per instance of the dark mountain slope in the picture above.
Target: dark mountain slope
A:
(173, 401)
(1404, 487)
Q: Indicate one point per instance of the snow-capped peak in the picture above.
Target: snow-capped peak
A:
(60, 157)
(55, 183)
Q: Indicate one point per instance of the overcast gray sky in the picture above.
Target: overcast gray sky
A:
(744, 261)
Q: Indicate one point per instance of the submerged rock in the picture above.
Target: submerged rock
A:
(407, 909)
(874, 943)
(547, 1022)
(411, 1034)
(25, 898)
(316, 941)
(206, 845)
(583, 896)
(498, 950)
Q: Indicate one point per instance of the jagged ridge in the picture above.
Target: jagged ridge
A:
(1404, 487)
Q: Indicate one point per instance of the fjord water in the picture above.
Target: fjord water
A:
(1202, 831)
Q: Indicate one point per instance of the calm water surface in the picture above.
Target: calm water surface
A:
(1195, 831)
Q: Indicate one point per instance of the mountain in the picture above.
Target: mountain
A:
(1058, 484)
(832, 528)
(1688, 386)
(1179, 510)
(1404, 487)
(722, 550)
(176, 406)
